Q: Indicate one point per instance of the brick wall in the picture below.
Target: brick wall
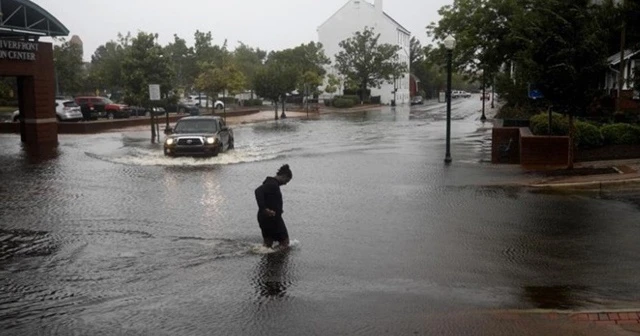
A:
(528, 149)
(36, 91)
(500, 137)
(544, 150)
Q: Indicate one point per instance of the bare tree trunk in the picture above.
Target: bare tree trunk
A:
(572, 133)
(275, 102)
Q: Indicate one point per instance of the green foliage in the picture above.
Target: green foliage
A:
(588, 135)
(183, 62)
(106, 64)
(539, 124)
(144, 64)
(227, 79)
(559, 45)
(307, 60)
(68, 63)
(343, 103)
(354, 98)
(621, 134)
(274, 80)
(252, 102)
(249, 61)
(365, 62)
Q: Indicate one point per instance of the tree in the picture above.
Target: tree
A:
(274, 80)
(144, 64)
(333, 83)
(182, 62)
(416, 53)
(248, 61)
(106, 64)
(366, 62)
(304, 59)
(206, 53)
(227, 79)
(69, 67)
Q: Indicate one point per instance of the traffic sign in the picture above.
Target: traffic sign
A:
(154, 92)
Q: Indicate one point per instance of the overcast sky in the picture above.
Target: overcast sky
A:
(267, 24)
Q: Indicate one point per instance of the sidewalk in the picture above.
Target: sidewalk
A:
(623, 174)
(265, 115)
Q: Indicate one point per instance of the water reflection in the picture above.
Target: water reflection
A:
(39, 154)
(273, 276)
(555, 297)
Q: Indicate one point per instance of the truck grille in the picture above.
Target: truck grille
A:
(190, 142)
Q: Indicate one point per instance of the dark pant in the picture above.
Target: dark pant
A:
(273, 228)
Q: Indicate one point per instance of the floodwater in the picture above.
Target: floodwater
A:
(110, 237)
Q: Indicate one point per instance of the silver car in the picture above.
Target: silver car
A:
(66, 110)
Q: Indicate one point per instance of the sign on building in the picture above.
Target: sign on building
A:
(18, 50)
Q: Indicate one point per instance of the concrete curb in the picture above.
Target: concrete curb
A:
(592, 185)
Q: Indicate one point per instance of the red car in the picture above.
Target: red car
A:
(101, 107)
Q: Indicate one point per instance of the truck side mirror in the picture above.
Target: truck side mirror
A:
(168, 130)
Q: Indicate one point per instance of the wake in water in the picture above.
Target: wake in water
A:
(261, 249)
(155, 157)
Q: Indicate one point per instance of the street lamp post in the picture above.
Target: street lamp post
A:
(449, 44)
(484, 95)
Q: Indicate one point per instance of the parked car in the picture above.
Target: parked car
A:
(417, 100)
(139, 111)
(183, 107)
(204, 101)
(66, 110)
(101, 107)
(198, 136)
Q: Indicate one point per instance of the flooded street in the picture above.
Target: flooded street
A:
(111, 237)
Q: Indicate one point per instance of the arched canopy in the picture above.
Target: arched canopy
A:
(25, 18)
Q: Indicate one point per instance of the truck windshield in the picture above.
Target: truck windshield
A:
(196, 126)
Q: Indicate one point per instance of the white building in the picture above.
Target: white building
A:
(354, 16)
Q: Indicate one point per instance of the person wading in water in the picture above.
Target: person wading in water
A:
(269, 200)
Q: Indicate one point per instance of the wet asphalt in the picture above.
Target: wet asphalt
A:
(111, 237)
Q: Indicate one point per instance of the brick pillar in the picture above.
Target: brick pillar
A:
(37, 102)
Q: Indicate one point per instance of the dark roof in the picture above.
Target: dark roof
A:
(25, 18)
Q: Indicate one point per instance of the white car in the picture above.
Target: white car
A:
(66, 110)
(204, 101)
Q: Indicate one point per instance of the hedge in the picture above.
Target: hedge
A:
(621, 134)
(252, 102)
(343, 103)
(587, 135)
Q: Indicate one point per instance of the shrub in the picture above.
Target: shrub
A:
(328, 102)
(228, 100)
(343, 103)
(252, 102)
(588, 135)
(354, 98)
(621, 134)
(539, 124)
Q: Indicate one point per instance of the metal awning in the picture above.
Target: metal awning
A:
(25, 18)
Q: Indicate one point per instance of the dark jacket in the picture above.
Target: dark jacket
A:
(268, 196)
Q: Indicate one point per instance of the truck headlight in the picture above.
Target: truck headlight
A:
(170, 141)
(211, 141)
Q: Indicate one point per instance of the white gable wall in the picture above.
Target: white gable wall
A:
(354, 16)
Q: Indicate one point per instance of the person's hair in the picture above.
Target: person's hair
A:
(285, 171)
